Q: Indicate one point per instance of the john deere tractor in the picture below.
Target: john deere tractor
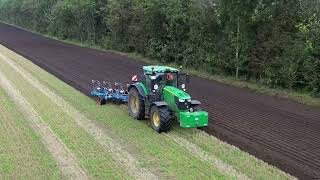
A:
(160, 94)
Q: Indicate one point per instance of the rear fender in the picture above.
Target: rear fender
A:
(158, 104)
(140, 89)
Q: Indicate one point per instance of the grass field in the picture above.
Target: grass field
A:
(22, 155)
(102, 142)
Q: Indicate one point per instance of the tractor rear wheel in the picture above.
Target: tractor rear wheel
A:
(160, 118)
(136, 104)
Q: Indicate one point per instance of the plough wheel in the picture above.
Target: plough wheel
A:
(101, 101)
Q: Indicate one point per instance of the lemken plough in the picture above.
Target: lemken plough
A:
(105, 92)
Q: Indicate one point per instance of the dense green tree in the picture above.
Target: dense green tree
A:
(274, 42)
(236, 17)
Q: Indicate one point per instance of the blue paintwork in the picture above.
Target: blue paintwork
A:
(110, 94)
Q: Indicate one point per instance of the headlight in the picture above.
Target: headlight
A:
(183, 86)
(182, 100)
(156, 86)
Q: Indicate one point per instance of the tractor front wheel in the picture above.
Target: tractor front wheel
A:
(136, 104)
(160, 118)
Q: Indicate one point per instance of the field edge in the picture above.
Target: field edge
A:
(295, 96)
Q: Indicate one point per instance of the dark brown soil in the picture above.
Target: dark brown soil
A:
(280, 132)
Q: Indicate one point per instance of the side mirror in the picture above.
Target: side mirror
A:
(188, 78)
(152, 71)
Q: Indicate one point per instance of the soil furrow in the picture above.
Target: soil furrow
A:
(284, 150)
(241, 129)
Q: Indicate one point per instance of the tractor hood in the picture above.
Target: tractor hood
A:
(177, 92)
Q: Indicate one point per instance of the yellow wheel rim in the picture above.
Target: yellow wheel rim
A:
(156, 119)
(134, 104)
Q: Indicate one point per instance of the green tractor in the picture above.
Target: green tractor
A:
(159, 93)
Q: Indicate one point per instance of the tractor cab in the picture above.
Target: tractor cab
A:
(160, 94)
(158, 77)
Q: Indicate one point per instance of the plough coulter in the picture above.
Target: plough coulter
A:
(105, 92)
(159, 93)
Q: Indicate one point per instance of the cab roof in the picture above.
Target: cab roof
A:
(159, 69)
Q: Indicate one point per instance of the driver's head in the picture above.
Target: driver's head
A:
(170, 79)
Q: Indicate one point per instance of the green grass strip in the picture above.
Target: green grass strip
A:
(22, 154)
(240, 160)
(89, 153)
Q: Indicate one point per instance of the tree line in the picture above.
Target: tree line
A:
(272, 42)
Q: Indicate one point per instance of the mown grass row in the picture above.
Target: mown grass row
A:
(22, 154)
(92, 157)
(159, 153)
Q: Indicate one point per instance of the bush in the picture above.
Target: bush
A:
(276, 43)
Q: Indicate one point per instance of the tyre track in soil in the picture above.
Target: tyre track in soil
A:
(278, 131)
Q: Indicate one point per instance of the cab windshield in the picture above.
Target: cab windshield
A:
(165, 79)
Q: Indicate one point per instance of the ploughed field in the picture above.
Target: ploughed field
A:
(282, 133)
(50, 130)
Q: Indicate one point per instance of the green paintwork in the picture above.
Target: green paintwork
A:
(159, 69)
(169, 98)
(186, 119)
(177, 92)
(192, 120)
(171, 94)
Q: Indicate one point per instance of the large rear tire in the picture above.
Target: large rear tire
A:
(136, 105)
(160, 118)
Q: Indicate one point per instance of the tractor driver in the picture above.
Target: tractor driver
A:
(165, 79)
(171, 79)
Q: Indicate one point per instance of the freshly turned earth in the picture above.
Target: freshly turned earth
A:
(283, 133)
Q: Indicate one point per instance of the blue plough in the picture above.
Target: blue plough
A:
(106, 93)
